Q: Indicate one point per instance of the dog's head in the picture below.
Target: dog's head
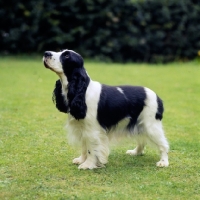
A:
(69, 66)
(65, 62)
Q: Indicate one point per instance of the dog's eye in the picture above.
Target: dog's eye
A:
(66, 56)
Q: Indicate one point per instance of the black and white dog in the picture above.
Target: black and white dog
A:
(97, 112)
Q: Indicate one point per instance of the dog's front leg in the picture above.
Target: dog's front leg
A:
(97, 152)
(90, 162)
(81, 159)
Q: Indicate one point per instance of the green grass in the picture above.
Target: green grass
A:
(36, 160)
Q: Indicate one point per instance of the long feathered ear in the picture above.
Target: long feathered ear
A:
(58, 98)
(76, 93)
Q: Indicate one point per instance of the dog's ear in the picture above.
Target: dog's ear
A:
(58, 98)
(76, 93)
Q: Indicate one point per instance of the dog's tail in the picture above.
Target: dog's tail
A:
(160, 109)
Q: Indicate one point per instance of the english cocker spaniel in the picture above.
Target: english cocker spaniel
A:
(98, 112)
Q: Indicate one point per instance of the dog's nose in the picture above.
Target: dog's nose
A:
(47, 54)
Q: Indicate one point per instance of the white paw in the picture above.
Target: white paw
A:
(87, 165)
(162, 163)
(78, 160)
(134, 153)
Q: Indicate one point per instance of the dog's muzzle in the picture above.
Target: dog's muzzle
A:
(47, 55)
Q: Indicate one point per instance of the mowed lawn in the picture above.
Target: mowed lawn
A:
(36, 160)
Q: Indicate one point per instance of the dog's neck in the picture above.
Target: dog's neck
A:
(63, 79)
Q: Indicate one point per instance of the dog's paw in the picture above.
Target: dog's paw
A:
(87, 165)
(134, 153)
(162, 163)
(78, 160)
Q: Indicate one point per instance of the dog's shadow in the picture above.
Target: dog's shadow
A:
(120, 160)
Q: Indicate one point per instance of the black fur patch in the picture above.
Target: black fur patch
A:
(115, 105)
(160, 109)
(76, 94)
(58, 98)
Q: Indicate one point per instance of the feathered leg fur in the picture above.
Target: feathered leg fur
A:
(94, 144)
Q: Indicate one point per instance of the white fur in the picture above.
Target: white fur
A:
(120, 90)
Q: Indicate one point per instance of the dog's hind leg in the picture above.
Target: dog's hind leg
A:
(140, 141)
(155, 135)
(139, 150)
